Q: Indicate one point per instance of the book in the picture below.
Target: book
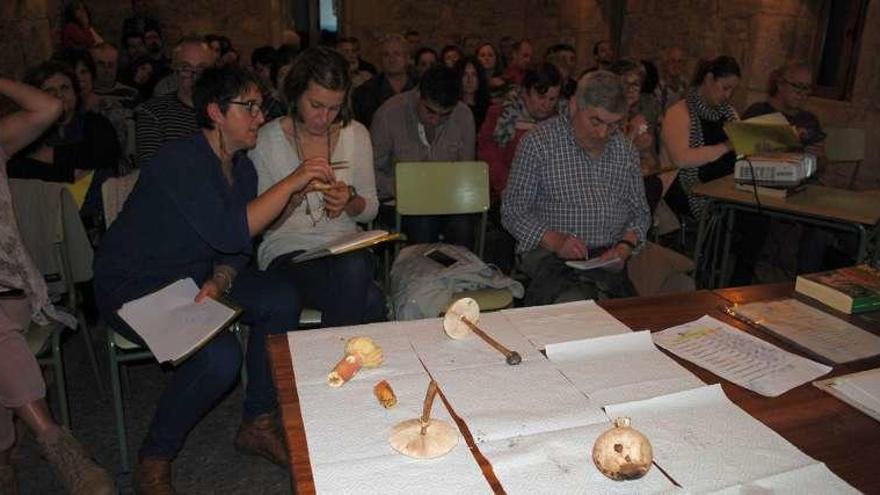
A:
(860, 390)
(770, 192)
(764, 133)
(854, 289)
(172, 324)
(347, 243)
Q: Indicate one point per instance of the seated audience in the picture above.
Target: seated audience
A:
(24, 297)
(363, 64)
(81, 146)
(564, 58)
(141, 74)
(474, 89)
(262, 59)
(345, 46)
(77, 31)
(423, 60)
(428, 123)
(450, 55)
(165, 118)
(320, 128)
(535, 101)
(170, 229)
(133, 48)
(394, 79)
(155, 46)
(493, 69)
(414, 39)
(575, 191)
(521, 59)
(673, 82)
(506, 46)
(140, 20)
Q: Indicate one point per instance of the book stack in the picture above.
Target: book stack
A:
(854, 289)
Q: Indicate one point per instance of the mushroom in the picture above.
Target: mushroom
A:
(623, 453)
(359, 351)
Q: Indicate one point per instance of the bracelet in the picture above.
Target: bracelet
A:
(632, 246)
(226, 278)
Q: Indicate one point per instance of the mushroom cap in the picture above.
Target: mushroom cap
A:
(369, 352)
(439, 438)
(622, 452)
(461, 308)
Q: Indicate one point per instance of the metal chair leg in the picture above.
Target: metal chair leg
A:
(90, 350)
(119, 412)
(61, 384)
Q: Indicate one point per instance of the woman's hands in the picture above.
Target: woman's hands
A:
(312, 175)
(336, 197)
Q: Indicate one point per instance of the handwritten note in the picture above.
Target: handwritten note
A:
(817, 331)
(739, 357)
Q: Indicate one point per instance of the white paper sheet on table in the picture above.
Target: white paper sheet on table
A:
(544, 325)
(561, 462)
(620, 368)
(501, 401)
(860, 390)
(739, 357)
(815, 478)
(816, 330)
(438, 351)
(705, 442)
(314, 353)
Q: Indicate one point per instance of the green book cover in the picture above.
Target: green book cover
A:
(859, 283)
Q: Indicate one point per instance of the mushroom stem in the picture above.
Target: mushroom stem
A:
(426, 408)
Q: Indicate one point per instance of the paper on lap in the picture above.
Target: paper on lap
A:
(620, 368)
(705, 442)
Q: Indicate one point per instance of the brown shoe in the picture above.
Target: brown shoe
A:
(152, 476)
(78, 472)
(261, 437)
(8, 481)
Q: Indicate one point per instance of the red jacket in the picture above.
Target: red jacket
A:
(498, 158)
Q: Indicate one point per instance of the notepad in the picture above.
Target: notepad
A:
(346, 243)
(172, 324)
(812, 330)
(592, 264)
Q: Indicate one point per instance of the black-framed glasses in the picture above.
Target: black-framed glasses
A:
(253, 107)
(799, 87)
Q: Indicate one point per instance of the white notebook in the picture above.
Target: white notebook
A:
(172, 324)
(346, 243)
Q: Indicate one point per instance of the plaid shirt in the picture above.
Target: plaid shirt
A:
(555, 184)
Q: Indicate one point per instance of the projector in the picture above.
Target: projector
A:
(775, 169)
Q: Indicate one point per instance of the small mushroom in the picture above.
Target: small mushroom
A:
(623, 453)
(359, 351)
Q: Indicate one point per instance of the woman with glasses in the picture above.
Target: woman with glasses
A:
(193, 214)
(319, 129)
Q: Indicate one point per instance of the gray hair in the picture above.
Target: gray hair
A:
(601, 89)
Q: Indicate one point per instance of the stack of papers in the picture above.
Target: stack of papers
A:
(860, 390)
(739, 357)
(815, 331)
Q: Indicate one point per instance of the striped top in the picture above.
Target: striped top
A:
(161, 120)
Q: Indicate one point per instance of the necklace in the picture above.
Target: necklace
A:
(318, 213)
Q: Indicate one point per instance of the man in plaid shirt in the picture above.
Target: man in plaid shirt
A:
(575, 191)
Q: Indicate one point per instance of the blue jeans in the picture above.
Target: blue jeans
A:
(340, 286)
(271, 306)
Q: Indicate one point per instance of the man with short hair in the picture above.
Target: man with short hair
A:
(564, 57)
(414, 39)
(603, 55)
(575, 192)
(521, 59)
(116, 101)
(428, 123)
(393, 79)
(362, 64)
(673, 81)
(167, 117)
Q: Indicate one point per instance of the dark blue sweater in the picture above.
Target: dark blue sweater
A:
(180, 220)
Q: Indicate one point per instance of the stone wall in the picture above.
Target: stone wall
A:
(762, 35)
(27, 34)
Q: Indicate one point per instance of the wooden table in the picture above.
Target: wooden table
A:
(823, 427)
(827, 207)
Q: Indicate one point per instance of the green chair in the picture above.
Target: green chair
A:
(450, 188)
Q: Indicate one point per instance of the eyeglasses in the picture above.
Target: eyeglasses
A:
(799, 87)
(189, 70)
(611, 126)
(253, 107)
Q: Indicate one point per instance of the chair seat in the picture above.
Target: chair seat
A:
(488, 299)
(309, 318)
(124, 344)
(39, 337)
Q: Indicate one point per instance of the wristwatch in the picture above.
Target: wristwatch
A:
(352, 193)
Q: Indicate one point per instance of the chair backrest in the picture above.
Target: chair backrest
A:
(844, 144)
(114, 192)
(443, 188)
